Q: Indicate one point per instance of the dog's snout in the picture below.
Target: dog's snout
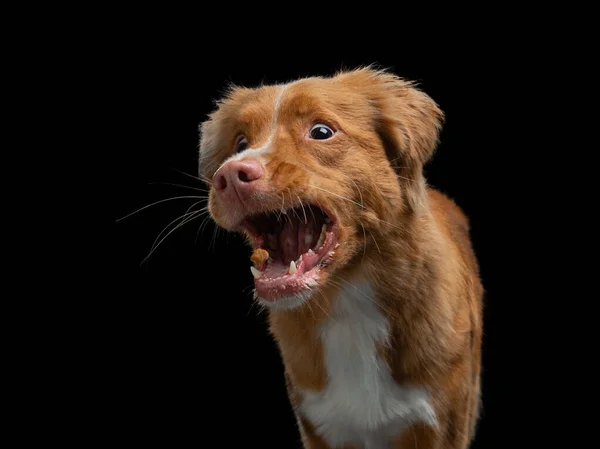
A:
(237, 178)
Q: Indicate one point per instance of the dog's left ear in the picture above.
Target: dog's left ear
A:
(408, 122)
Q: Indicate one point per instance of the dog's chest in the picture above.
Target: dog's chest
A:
(361, 404)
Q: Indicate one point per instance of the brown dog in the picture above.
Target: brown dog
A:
(371, 284)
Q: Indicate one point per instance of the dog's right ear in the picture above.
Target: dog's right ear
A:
(209, 132)
(408, 122)
(215, 131)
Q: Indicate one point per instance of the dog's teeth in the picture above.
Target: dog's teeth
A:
(284, 212)
(292, 269)
(322, 236)
(255, 272)
(310, 251)
(308, 237)
(300, 258)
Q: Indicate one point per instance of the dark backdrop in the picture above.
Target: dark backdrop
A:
(185, 350)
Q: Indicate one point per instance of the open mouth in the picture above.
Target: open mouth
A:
(295, 245)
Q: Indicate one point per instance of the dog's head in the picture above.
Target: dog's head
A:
(317, 172)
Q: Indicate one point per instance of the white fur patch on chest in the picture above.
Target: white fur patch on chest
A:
(361, 404)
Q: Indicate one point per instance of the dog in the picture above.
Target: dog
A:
(368, 275)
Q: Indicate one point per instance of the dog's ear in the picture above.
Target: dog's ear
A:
(209, 135)
(214, 131)
(408, 122)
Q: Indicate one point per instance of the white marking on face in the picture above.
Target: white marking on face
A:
(361, 404)
(258, 153)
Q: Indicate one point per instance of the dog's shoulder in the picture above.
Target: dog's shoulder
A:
(448, 212)
(454, 223)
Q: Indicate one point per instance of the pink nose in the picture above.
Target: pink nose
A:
(237, 178)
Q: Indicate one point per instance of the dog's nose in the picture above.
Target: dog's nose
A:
(237, 178)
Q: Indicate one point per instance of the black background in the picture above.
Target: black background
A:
(184, 350)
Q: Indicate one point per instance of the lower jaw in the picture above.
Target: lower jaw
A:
(283, 290)
(271, 291)
(286, 300)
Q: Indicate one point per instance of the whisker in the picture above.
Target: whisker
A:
(290, 219)
(376, 244)
(276, 212)
(213, 243)
(191, 216)
(195, 215)
(204, 221)
(245, 289)
(390, 224)
(310, 170)
(292, 201)
(364, 242)
(158, 202)
(213, 171)
(261, 308)
(180, 185)
(401, 166)
(253, 304)
(313, 214)
(335, 194)
(359, 192)
(182, 217)
(303, 211)
(282, 209)
(203, 179)
(205, 208)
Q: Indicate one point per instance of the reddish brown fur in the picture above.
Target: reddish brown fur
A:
(411, 241)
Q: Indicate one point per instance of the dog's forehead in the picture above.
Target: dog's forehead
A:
(301, 97)
(246, 103)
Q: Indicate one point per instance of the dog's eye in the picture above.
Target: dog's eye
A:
(241, 145)
(321, 132)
